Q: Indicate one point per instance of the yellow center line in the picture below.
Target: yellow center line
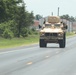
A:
(47, 56)
(30, 63)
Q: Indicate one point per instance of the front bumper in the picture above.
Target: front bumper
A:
(51, 37)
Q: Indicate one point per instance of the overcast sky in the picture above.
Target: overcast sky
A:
(45, 7)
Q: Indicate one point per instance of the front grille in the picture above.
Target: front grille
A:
(51, 34)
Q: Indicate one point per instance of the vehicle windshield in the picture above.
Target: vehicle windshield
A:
(47, 25)
(50, 25)
(57, 25)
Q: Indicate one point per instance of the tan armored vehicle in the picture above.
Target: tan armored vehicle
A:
(53, 31)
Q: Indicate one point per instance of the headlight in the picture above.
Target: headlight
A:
(42, 33)
(60, 34)
(61, 26)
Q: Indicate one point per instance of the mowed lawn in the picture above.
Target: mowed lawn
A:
(15, 42)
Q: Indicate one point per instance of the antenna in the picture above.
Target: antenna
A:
(58, 11)
(52, 13)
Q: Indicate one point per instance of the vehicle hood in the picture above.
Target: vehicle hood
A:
(51, 30)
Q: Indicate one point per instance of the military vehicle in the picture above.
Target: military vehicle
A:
(53, 31)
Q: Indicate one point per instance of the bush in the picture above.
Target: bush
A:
(30, 32)
(7, 34)
(35, 32)
(33, 29)
(6, 29)
(24, 32)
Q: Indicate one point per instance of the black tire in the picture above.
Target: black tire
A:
(64, 39)
(42, 43)
(62, 42)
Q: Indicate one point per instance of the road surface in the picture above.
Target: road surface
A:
(33, 60)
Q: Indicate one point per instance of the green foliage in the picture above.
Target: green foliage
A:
(33, 29)
(24, 32)
(2, 11)
(67, 17)
(30, 32)
(6, 25)
(37, 17)
(35, 32)
(14, 17)
(7, 34)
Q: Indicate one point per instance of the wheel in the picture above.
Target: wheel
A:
(42, 43)
(62, 42)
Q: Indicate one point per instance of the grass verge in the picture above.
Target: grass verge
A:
(9, 43)
(70, 34)
(15, 42)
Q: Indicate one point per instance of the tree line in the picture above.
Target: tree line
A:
(69, 18)
(15, 20)
(66, 16)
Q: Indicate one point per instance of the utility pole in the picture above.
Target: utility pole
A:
(58, 11)
(52, 13)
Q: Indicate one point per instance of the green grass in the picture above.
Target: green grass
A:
(8, 43)
(70, 34)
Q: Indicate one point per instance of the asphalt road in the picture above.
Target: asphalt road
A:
(33, 60)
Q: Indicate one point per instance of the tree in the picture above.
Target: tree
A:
(30, 18)
(2, 11)
(14, 11)
(23, 18)
(67, 17)
(72, 19)
(37, 17)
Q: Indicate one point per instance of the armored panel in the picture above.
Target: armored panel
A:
(53, 19)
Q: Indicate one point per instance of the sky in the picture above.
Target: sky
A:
(46, 7)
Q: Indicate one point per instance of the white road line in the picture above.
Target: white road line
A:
(8, 52)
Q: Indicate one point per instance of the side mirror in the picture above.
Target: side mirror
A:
(66, 27)
(44, 21)
(40, 26)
